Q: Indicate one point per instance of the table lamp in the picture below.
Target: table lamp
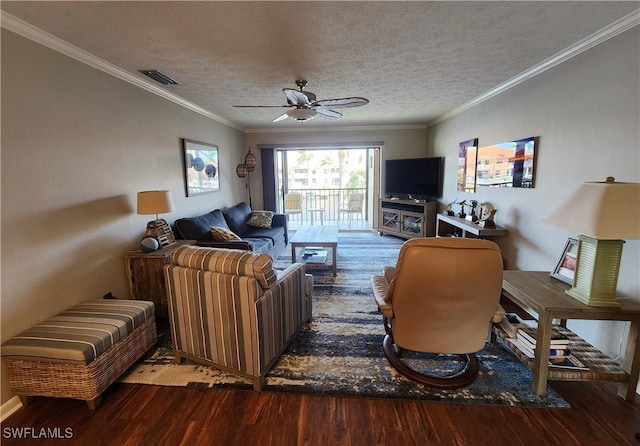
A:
(157, 202)
(603, 214)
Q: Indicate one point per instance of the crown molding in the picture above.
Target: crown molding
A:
(31, 32)
(619, 26)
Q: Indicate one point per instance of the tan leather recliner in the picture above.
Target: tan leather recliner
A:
(441, 297)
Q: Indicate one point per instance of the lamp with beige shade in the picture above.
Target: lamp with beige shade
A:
(604, 214)
(157, 202)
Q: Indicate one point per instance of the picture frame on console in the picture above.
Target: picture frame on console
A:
(201, 167)
(566, 265)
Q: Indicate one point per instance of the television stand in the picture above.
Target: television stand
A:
(407, 218)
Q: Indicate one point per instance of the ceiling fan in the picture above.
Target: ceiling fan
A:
(306, 106)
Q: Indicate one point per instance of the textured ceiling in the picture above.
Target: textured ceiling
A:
(414, 61)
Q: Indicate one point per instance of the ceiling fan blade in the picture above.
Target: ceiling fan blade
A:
(262, 106)
(281, 117)
(328, 115)
(341, 102)
(297, 97)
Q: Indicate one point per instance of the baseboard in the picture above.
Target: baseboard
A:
(9, 408)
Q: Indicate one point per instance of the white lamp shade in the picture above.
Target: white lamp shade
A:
(154, 202)
(302, 114)
(601, 210)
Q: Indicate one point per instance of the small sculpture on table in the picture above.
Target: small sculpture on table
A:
(487, 211)
(449, 210)
(461, 214)
(472, 216)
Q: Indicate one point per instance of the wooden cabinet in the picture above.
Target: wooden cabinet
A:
(449, 226)
(146, 278)
(407, 218)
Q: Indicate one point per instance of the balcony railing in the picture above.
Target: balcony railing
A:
(328, 205)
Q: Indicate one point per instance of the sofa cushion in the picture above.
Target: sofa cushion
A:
(228, 261)
(199, 228)
(237, 217)
(272, 234)
(223, 234)
(261, 245)
(261, 219)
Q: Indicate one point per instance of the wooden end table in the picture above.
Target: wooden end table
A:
(538, 294)
(321, 236)
(146, 275)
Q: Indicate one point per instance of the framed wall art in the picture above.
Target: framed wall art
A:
(507, 164)
(467, 155)
(201, 168)
(566, 266)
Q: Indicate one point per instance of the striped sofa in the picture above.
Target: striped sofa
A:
(230, 308)
(78, 353)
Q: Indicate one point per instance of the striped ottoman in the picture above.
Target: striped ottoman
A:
(80, 352)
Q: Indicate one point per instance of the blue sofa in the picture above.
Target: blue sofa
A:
(271, 240)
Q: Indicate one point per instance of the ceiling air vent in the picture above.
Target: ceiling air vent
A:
(159, 77)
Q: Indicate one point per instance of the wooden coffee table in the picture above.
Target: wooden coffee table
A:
(320, 236)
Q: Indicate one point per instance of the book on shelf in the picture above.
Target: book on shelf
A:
(568, 361)
(529, 334)
(315, 256)
(529, 351)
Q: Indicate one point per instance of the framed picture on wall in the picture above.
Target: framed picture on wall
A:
(507, 164)
(566, 266)
(201, 167)
(467, 155)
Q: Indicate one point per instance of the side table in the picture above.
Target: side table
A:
(538, 294)
(146, 278)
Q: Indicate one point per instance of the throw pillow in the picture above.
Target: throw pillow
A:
(261, 219)
(223, 234)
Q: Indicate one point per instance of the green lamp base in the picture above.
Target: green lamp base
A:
(596, 275)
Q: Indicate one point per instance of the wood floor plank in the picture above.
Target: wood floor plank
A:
(139, 415)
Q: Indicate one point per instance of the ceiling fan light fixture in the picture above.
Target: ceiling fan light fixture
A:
(302, 114)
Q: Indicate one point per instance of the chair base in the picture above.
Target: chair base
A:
(465, 376)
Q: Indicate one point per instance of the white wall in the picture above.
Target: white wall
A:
(586, 113)
(77, 145)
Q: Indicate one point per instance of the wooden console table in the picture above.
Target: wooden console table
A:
(446, 224)
(544, 297)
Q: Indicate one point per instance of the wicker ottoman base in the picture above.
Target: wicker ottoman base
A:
(83, 382)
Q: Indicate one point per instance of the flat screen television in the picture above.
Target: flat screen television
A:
(417, 178)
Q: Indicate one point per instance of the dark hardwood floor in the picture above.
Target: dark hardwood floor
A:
(151, 415)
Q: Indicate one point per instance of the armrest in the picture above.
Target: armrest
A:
(281, 311)
(380, 287)
(230, 244)
(388, 272)
(280, 220)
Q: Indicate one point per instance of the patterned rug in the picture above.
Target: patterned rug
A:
(340, 352)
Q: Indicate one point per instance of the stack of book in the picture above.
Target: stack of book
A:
(559, 353)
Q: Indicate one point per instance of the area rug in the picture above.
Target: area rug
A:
(340, 352)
